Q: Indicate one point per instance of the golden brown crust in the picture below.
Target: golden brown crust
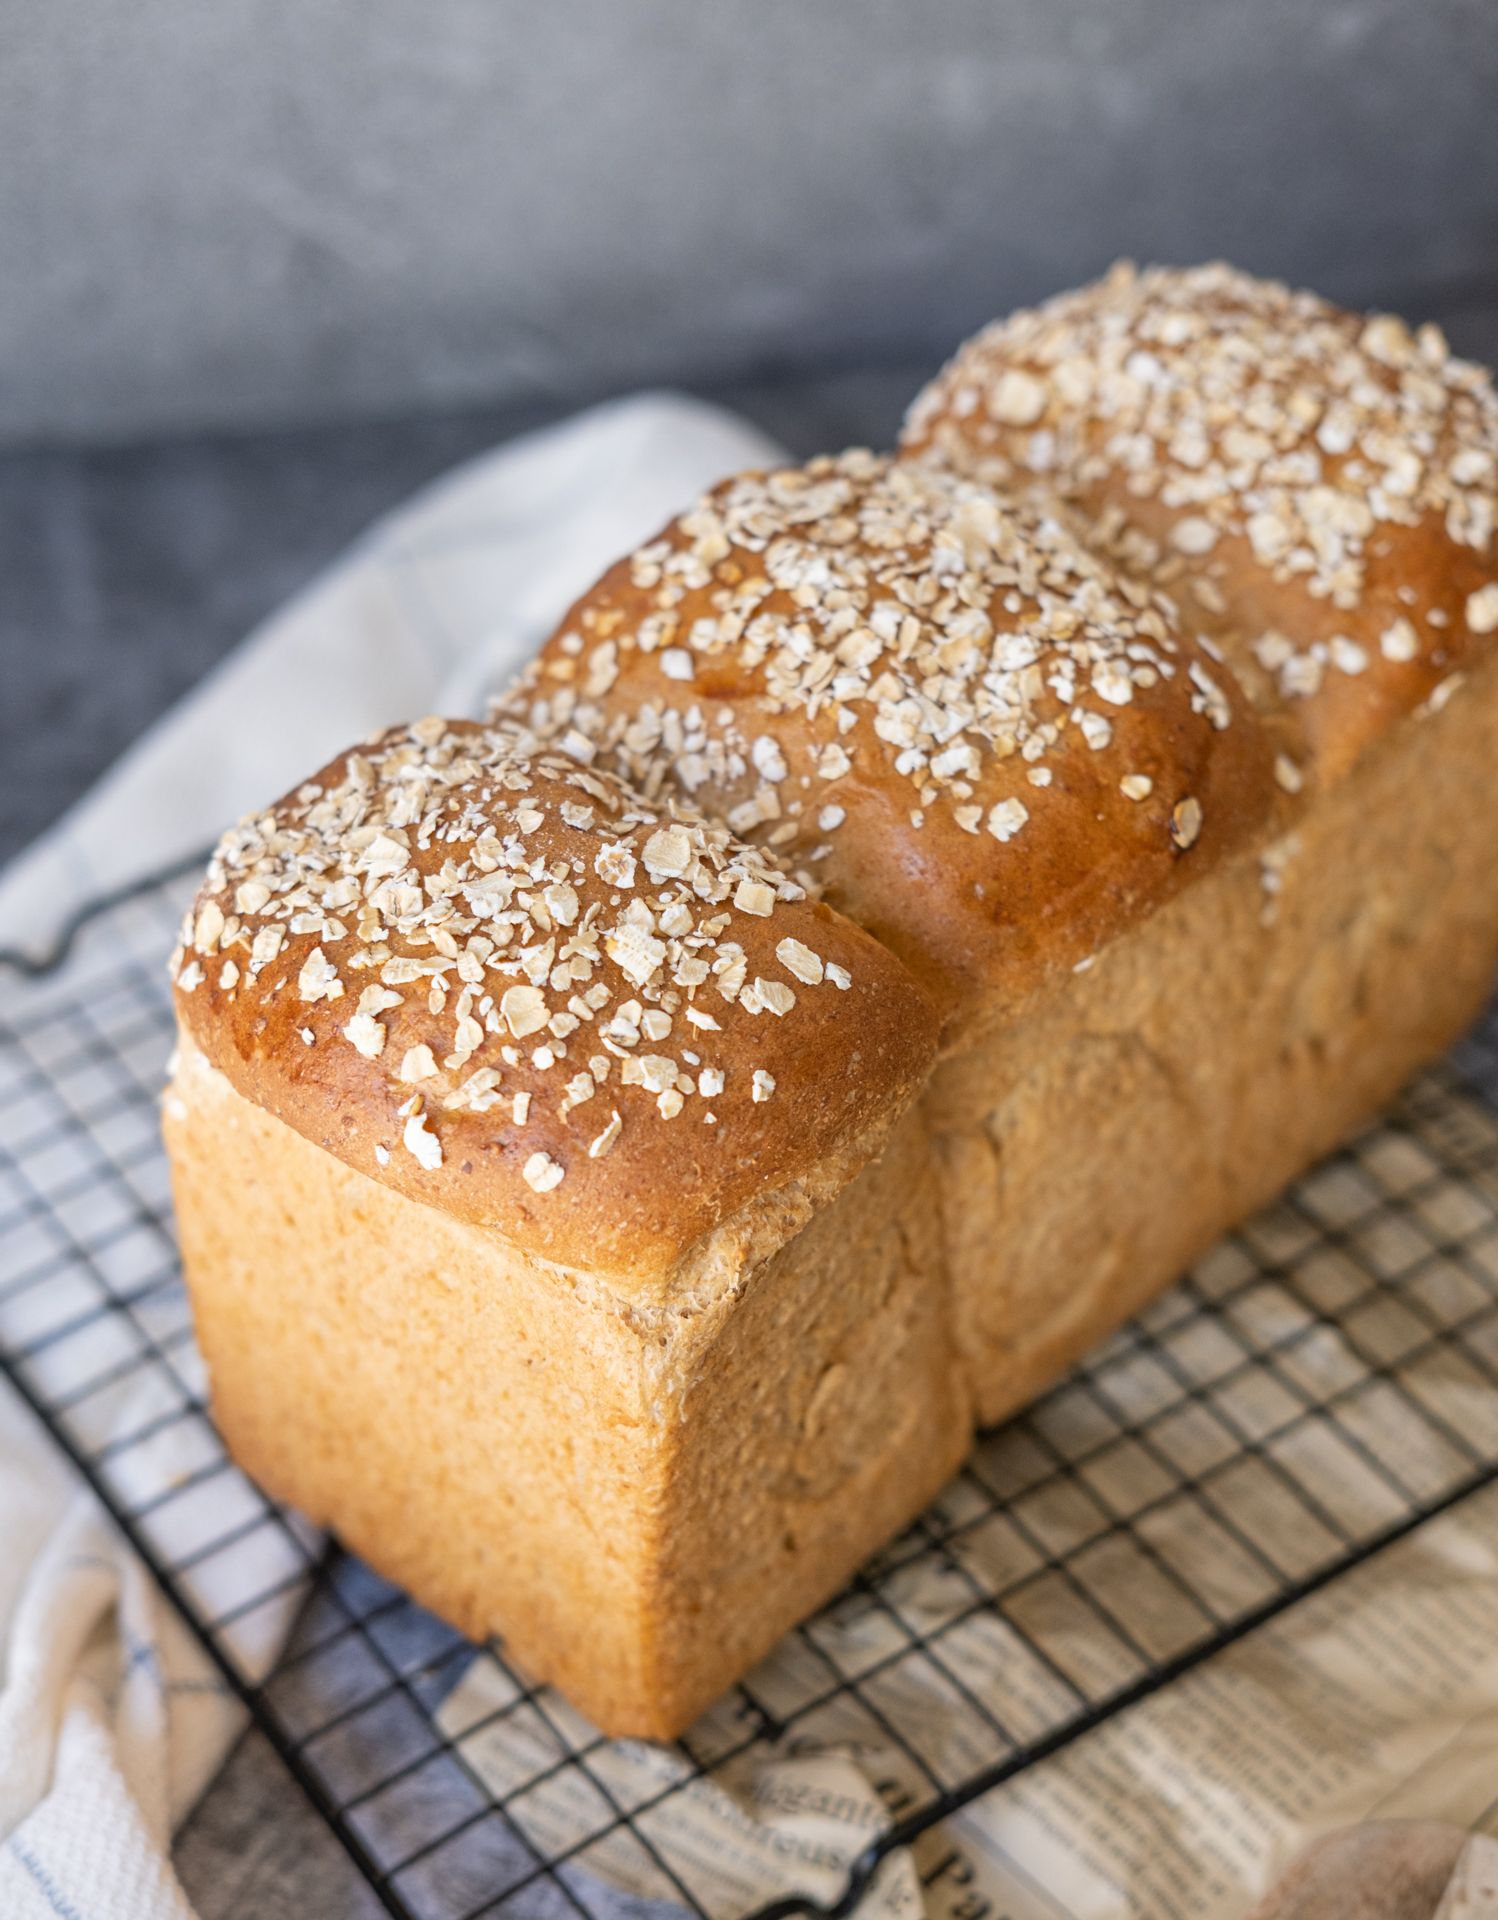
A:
(506, 986)
(1316, 489)
(966, 731)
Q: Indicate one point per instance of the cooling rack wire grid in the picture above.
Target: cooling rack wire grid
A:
(1320, 1386)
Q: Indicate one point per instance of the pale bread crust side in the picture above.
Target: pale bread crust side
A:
(641, 1502)
(1094, 1148)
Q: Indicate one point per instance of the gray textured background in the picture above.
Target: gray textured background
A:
(261, 210)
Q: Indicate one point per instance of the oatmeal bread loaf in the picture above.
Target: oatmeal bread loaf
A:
(907, 912)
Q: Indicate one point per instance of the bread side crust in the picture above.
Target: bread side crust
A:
(639, 1501)
(1093, 1149)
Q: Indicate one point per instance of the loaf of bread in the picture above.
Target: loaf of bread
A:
(906, 913)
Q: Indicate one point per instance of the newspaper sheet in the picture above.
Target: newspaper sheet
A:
(1375, 1701)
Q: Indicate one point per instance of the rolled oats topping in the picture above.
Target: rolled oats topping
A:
(904, 618)
(1186, 823)
(1252, 408)
(1482, 609)
(1243, 409)
(528, 931)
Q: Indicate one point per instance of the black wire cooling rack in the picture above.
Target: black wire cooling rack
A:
(1319, 1387)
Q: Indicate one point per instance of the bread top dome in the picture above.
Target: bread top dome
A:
(1317, 490)
(508, 985)
(932, 701)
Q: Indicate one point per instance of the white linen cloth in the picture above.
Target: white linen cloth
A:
(112, 1720)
